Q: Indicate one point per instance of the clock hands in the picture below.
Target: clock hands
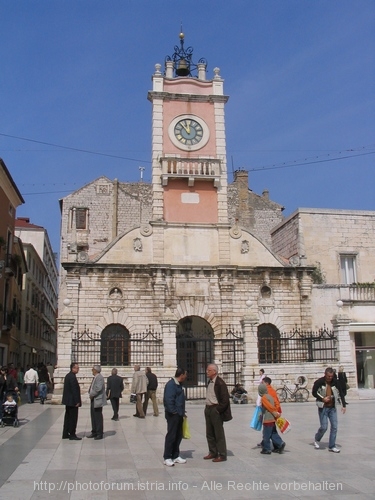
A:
(186, 127)
(188, 132)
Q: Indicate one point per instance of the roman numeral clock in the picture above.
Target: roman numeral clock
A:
(188, 132)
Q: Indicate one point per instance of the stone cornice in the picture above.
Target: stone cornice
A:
(167, 96)
(74, 269)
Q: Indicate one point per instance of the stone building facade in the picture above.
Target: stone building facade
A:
(340, 243)
(181, 272)
(12, 267)
(39, 295)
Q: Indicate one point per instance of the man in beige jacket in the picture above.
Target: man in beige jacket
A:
(139, 387)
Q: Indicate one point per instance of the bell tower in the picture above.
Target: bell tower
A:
(189, 168)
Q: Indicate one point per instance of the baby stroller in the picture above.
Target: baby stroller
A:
(9, 415)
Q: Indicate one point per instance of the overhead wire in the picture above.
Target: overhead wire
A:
(79, 150)
(288, 164)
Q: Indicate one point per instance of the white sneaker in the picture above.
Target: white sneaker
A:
(169, 462)
(316, 445)
(179, 460)
(334, 449)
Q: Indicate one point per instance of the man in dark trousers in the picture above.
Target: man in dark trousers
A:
(174, 405)
(217, 412)
(72, 400)
(115, 386)
(98, 399)
(151, 392)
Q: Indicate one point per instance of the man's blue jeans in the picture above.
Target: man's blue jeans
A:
(42, 392)
(326, 414)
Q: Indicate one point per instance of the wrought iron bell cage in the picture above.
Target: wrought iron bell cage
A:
(183, 65)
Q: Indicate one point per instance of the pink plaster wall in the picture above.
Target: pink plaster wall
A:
(204, 211)
(187, 86)
(202, 110)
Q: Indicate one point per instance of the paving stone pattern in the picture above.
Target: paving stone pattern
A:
(37, 464)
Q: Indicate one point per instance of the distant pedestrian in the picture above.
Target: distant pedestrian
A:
(51, 371)
(151, 392)
(44, 379)
(11, 384)
(20, 377)
(217, 412)
(327, 393)
(12, 371)
(261, 377)
(98, 399)
(139, 387)
(31, 380)
(3, 387)
(115, 386)
(174, 406)
(72, 400)
(343, 381)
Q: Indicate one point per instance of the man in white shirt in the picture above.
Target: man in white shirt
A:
(31, 380)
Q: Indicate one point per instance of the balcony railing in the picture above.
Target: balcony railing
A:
(191, 168)
(357, 293)
(361, 293)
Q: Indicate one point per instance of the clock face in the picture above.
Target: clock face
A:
(188, 131)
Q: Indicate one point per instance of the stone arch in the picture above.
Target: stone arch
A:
(196, 307)
(270, 316)
(117, 315)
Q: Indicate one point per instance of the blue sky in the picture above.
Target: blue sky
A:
(300, 75)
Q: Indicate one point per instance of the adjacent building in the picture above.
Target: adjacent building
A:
(12, 267)
(39, 302)
(340, 243)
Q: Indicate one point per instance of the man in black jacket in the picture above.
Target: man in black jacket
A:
(151, 392)
(72, 400)
(217, 412)
(115, 386)
(327, 392)
(174, 405)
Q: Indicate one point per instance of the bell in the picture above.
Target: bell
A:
(182, 68)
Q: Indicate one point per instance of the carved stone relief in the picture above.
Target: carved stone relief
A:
(137, 245)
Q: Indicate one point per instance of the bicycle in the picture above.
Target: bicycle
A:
(298, 395)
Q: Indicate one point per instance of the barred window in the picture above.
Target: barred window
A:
(268, 343)
(115, 346)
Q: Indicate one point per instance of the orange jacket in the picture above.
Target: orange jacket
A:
(271, 391)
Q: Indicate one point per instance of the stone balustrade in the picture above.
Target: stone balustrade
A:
(196, 168)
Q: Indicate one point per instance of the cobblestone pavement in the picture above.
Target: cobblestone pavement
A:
(37, 464)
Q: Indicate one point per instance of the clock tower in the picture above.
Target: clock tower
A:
(189, 170)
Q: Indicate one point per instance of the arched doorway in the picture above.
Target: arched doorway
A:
(195, 348)
(115, 346)
(268, 343)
